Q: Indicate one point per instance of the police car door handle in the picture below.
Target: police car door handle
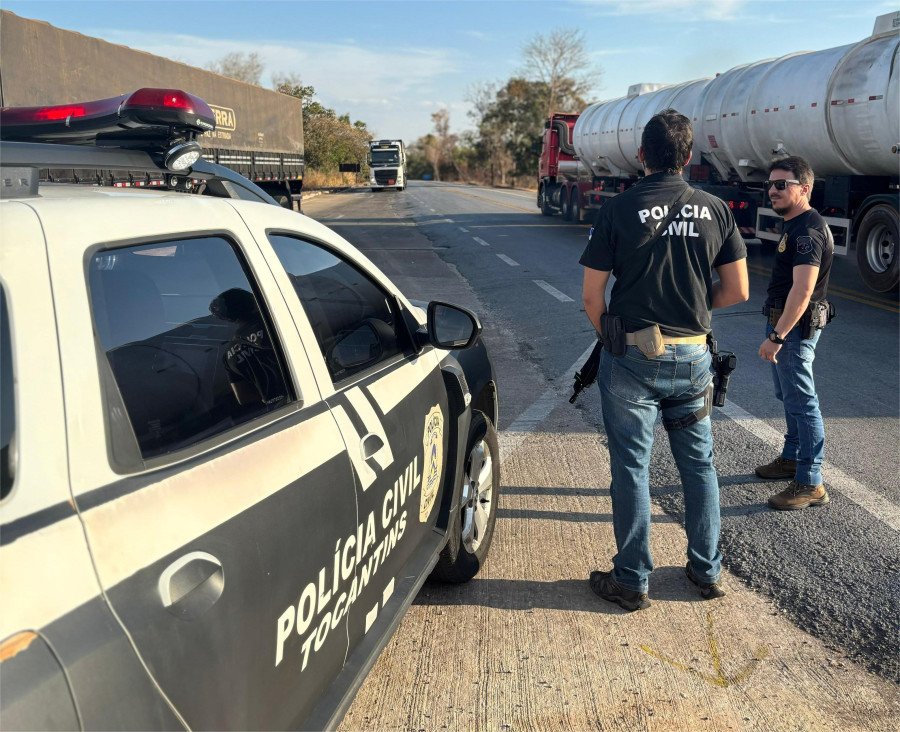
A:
(370, 445)
(191, 585)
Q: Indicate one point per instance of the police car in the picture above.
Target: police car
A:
(232, 450)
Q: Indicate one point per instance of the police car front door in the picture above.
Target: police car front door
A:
(394, 423)
(390, 405)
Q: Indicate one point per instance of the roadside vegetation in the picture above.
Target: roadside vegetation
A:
(556, 75)
(329, 138)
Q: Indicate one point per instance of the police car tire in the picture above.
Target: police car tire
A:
(456, 563)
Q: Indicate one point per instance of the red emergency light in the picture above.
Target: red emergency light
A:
(145, 115)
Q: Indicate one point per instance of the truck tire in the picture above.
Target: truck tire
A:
(543, 201)
(472, 527)
(564, 204)
(575, 207)
(877, 248)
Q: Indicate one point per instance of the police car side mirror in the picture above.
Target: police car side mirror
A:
(450, 326)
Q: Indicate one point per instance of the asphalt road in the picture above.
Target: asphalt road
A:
(830, 575)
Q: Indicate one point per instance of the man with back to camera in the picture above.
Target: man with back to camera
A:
(797, 311)
(655, 357)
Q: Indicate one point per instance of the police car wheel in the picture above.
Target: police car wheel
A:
(472, 528)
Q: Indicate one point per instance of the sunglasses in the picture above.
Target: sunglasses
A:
(780, 185)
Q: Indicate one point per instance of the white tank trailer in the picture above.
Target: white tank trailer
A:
(838, 108)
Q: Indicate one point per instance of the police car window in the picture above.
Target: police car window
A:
(7, 403)
(353, 318)
(187, 339)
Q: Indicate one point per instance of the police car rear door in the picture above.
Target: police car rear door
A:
(211, 477)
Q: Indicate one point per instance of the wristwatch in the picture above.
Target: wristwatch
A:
(775, 338)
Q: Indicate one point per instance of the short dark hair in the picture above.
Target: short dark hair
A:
(667, 141)
(796, 166)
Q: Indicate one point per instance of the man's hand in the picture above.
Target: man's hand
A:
(768, 351)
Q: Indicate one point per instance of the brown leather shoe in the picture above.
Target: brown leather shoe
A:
(799, 495)
(779, 469)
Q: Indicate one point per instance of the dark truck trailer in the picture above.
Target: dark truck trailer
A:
(259, 132)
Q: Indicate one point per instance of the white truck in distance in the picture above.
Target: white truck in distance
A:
(387, 164)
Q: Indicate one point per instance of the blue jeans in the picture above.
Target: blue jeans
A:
(796, 389)
(631, 388)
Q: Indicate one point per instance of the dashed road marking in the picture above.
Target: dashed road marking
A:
(561, 296)
(510, 262)
(481, 241)
(463, 229)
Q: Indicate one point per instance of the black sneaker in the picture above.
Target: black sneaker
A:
(707, 591)
(603, 584)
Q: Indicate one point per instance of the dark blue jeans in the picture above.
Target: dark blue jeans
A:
(796, 389)
(631, 388)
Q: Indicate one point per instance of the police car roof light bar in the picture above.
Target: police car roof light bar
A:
(140, 119)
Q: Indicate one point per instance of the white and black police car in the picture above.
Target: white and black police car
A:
(232, 450)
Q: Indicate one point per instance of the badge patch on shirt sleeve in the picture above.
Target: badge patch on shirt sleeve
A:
(433, 442)
(804, 245)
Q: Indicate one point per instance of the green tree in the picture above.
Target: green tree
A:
(329, 139)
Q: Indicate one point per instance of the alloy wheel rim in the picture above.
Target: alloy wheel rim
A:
(477, 496)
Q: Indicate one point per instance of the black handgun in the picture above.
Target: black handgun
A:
(723, 363)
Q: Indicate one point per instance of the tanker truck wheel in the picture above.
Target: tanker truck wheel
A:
(877, 248)
(575, 207)
(564, 204)
(544, 202)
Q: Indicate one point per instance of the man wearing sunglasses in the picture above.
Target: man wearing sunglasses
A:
(796, 311)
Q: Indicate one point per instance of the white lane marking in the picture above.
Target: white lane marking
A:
(462, 228)
(561, 296)
(388, 591)
(339, 216)
(450, 221)
(510, 262)
(514, 435)
(371, 616)
(432, 210)
(481, 241)
(867, 499)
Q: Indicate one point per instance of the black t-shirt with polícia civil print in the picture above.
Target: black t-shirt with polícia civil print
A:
(805, 239)
(673, 287)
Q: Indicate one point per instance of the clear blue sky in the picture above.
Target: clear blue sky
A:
(391, 63)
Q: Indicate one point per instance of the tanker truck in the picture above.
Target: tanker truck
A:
(838, 108)
(259, 133)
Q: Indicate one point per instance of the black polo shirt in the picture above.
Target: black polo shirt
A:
(671, 283)
(805, 239)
